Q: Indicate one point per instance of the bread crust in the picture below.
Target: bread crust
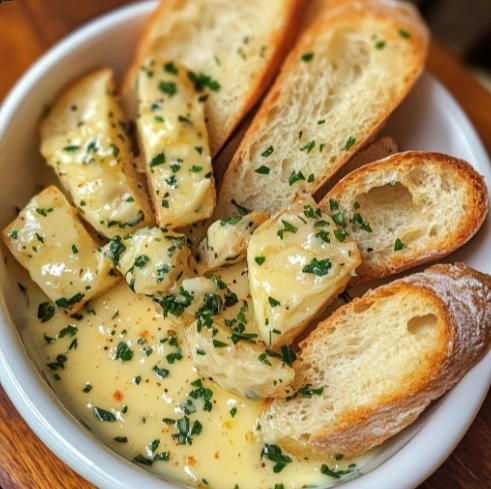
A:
(476, 204)
(393, 13)
(462, 297)
(280, 43)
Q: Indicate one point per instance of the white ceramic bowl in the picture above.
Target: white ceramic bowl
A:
(430, 119)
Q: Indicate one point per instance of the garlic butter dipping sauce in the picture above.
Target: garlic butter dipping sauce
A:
(125, 372)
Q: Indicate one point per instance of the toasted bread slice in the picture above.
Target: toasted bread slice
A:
(85, 138)
(298, 262)
(378, 362)
(378, 150)
(409, 209)
(347, 73)
(50, 241)
(172, 133)
(235, 48)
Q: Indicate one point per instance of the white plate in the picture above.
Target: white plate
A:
(429, 119)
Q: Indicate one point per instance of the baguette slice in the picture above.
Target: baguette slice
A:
(413, 208)
(380, 360)
(86, 139)
(239, 45)
(378, 150)
(348, 71)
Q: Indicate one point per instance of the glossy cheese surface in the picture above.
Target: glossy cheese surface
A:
(150, 259)
(126, 373)
(226, 241)
(49, 240)
(298, 261)
(172, 133)
(85, 138)
(130, 379)
(237, 362)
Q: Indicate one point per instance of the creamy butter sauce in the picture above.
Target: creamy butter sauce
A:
(124, 369)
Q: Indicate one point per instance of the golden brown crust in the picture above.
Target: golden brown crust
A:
(477, 209)
(462, 297)
(280, 43)
(345, 13)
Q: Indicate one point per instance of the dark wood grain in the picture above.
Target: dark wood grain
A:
(30, 27)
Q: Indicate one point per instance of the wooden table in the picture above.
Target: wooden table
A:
(30, 27)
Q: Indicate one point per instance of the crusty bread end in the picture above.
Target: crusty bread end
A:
(381, 360)
(416, 207)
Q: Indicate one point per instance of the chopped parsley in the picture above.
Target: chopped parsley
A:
(167, 87)
(274, 454)
(71, 149)
(333, 473)
(262, 170)
(380, 44)
(273, 302)
(44, 212)
(66, 303)
(202, 81)
(399, 245)
(115, 249)
(71, 330)
(318, 267)
(230, 220)
(404, 34)
(307, 392)
(185, 430)
(358, 221)
(267, 152)
(123, 352)
(46, 310)
(170, 68)
(103, 415)
(161, 372)
(349, 143)
(295, 177)
(339, 235)
(87, 388)
(306, 57)
(260, 260)
(141, 261)
(158, 159)
(308, 147)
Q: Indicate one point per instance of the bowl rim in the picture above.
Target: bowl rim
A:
(59, 430)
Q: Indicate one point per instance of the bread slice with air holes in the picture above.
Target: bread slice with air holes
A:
(378, 362)
(238, 46)
(346, 74)
(409, 209)
(378, 150)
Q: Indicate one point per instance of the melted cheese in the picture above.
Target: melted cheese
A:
(235, 363)
(172, 133)
(48, 239)
(226, 241)
(134, 395)
(296, 266)
(85, 139)
(150, 259)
